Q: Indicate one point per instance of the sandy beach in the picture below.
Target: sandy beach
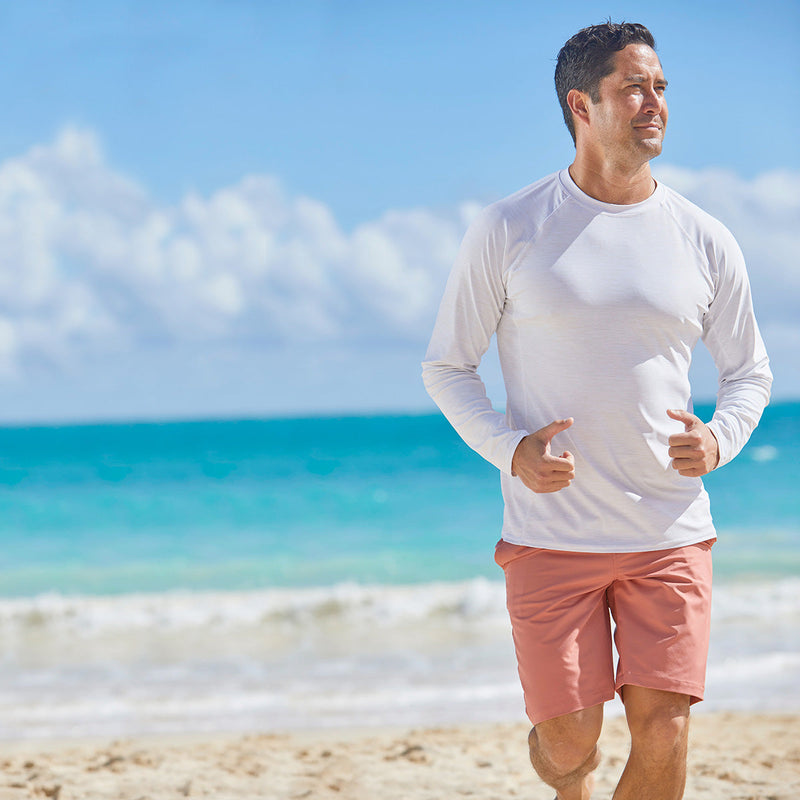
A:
(734, 756)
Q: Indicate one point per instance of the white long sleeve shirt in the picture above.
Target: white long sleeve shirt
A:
(597, 308)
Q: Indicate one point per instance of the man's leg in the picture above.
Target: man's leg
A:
(659, 726)
(562, 635)
(564, 752)
(661, 602)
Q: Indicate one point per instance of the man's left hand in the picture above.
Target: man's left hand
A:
(694, 452)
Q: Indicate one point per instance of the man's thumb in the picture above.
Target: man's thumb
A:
(549, 431)
(683, 416)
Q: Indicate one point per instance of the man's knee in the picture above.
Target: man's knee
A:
(658, 721)
(565, 745)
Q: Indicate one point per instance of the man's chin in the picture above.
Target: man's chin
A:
(651, 146)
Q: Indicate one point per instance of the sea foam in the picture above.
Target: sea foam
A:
(336, 656)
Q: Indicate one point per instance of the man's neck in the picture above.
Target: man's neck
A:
(609, 185)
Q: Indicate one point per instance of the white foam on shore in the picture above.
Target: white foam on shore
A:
(332, 656)
(87, 616)
(439, 603)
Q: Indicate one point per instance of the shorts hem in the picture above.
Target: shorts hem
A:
(577, 705)
(664, 683)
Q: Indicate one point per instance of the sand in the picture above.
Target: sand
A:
(733, 757)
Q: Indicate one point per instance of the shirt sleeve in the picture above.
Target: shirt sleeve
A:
(731, 334)
(468, 317)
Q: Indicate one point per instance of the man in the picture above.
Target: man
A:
(598, 282)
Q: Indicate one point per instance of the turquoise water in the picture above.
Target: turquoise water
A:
(102, 509)
(264, 575)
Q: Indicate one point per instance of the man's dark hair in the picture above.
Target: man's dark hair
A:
(588, 57)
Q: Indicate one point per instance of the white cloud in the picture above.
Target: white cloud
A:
(88, 261)
(90, 264)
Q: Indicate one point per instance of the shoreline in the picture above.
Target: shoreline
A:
(732, 755)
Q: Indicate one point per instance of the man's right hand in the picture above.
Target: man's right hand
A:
(534, 465)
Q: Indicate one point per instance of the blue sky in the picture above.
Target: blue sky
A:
(215, 208)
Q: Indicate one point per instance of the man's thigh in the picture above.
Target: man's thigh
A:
(661, 603)
(562, 631)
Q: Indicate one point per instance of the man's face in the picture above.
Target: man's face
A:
(628, 122)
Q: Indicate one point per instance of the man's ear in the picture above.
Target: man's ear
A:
(578, 103)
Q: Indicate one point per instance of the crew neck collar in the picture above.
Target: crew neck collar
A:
(610, 208)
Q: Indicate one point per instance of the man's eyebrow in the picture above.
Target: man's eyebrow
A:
(641, 78)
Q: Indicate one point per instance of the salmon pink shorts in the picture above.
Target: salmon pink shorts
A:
(561, 604)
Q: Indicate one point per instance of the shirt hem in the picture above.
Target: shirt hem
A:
(614, 547)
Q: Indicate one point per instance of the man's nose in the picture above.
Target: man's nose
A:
(651, 104)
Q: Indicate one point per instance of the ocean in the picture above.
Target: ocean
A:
(306, 573)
